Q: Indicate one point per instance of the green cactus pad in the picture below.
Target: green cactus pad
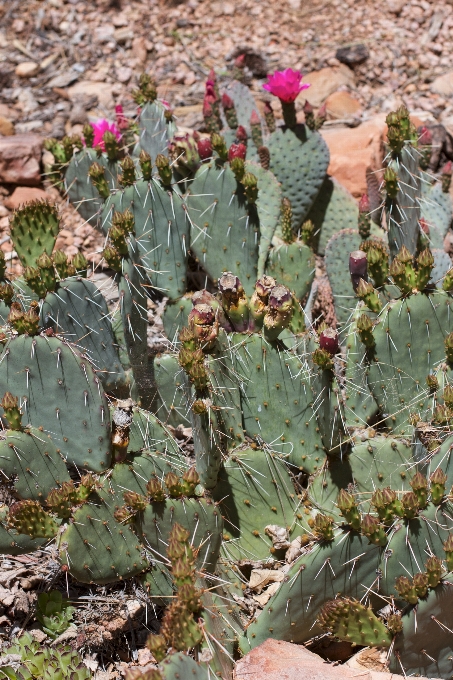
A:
(31, 462)
(79, 313)
(171, 402)
(403, 211)
(254, 490)
(424, 646)
(335, 475)
(161, 231)
(293, 265)
(412, 542)
(334, 209)
(338, 249)
(409, 345)
(349, 620)
(59, 391)
(268, 206)
(158, 584)
(437, 209)
(225, 230)
(380, 462)
(81, 191)
(12, 543)
(134, 315)
(34, 229)
(175, 316)
(360, 407)
(442, 264)
(277, 398)
(345, 565)
(179, 666)
(154, 131)
(99, 550)
(201, 518)
(299, 159)
(148, 433)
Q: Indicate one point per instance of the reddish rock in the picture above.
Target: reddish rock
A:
(20, 159)
(276, 660)
(326, 81)
(354, 151)
(23, 195)
(342, 105)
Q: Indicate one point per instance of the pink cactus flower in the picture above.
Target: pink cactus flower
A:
(426, 137)
(285, 85)
(100, 127)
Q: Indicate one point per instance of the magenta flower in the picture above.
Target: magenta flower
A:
(285, 85)
(100, 127)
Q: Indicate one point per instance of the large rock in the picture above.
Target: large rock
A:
(276, 660)
(342, 105)
(354, 151)
(443, 85)
(22, 195)
(325, 82)
(20, 159)
(103, 91)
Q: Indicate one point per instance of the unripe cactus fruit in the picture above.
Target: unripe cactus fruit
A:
(365, 330)
(164, 170)
(433, 568)
(230, 111)
(425, 262)
(419, 485)
(348, 508)
(219, 145)
(155, 490)
(202, 320)
(250, 183)
(364, 217)
(437, 488)
(237, 166)
(157, 646)
(12, 413)
(410, 504)
(406, 589)
(373, 530)
(369, 295)
(269, 116)
(255, 126)
(323, 527)
(448, 549)
(97, 174)
(6, 293)
(112, 258)
(128, 167)
(391, 183)
(432, 382)
(88, 135)
(420, 582)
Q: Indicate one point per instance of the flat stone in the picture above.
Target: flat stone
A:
(443, 85)
(20, 159)
(354, 151)
(22, 195)
(6, 127)
(325, 82)
(27, 69)
(342, 105)
(103, 91)
(277, 660)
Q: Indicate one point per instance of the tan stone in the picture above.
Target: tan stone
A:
(443, 84)
(139, 50)
(20, 159)
(325, 82)
(23, 195)
(6, 127)
(277, 660)
(342, 105)
(27, 69)
(354, 151)
(103, 91)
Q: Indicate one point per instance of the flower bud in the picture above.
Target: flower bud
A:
(433, 568)
(6, 293)
(164, 170)
(250, 183)
(406, 590)
(10, 406)
(437, 479)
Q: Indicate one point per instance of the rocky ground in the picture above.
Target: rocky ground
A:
(66, 62)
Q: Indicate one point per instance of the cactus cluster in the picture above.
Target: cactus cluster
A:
(323, 451)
